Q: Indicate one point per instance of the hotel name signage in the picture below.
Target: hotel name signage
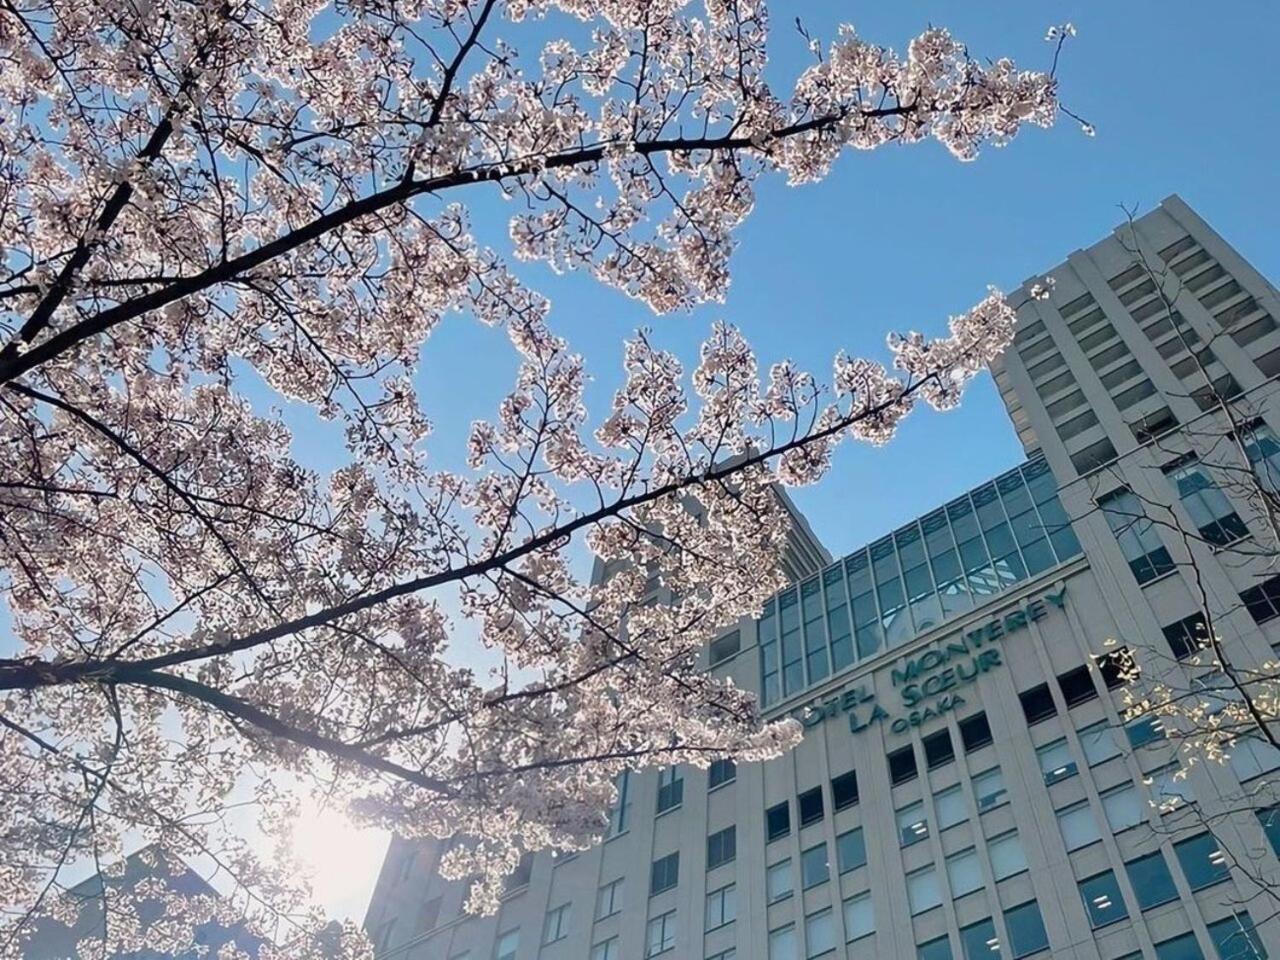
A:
(927, 684)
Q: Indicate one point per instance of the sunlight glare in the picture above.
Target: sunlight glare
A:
(340, 859)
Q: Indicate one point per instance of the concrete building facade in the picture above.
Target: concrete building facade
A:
(968, 786)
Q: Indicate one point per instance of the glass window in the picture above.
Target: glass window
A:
(859, 917)
(608, 950)
(778, 821)
(1263, 450)
(851, 850)
(1170, 787)
(1098, 741)
(989, 789)
(664, 873)
(1252, 757)
(1078, 826)
(1208, 507)
(912, 826)
(1037, 704)
(1186, 637)
(1269, 820)
(722, 648)
(670, 789)
(1056, 762)
(556, 924)
(939, 949)
(938, 749)
(609, 899)
(1102, 899)
(820, 932)
(950, 808)
(730, 954)
(1007, 855)
(782, 944)
(1118, 668)
(1144, 730)
(902, 765)
(661, 934)
(964, 874)
(844, 790)
(814, 868)
(1203, 862)
(810, 804)
(1151, 880)
(1123, 808)
(722, 847)
(1139, 541)
(722, 907)
(778, 883)
(1236, 939)
(923, 892)
(1179, 948)
(619, 816)
(1077, 686)
(1026, 929)
(975, 732)
(721, 772)
(979, 940)
(1263, 601)
(508, 943)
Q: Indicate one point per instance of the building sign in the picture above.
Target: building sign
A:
(928, 685)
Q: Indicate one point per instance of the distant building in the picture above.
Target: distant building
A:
(966, 788)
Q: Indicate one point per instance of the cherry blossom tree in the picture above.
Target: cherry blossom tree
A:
(194, 195)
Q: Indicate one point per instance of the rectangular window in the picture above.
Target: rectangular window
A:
(607, 950)
(1026, 930)
(980, 941)
(1186, 637)
(1236, 939)
(923, 892)
(912, 826)
(975, 732)
(1056, 762)
(1252, 757)
(778, 883)
(938, 749)
(1144, 730)
(722, 907)
(1209, 508)
(939, 949)
(609, 899)
(859, 917)
(619, 818)
(1263, 450)
(782, 943)
(989, 788)
(722, 847)
(1263, 601)
(810, 806)
(777, 821)
(722, 648)
(1202, 860)
(1077, 686)
(814, 868)
(661, 934)
(1169, 786)
(1007, 856)
(670, 789)
(964, 874)
(508, 943)
(1123, 808)
(819, 933)
(949, 807)
(1037, 704)
(1078, 825)
(1139, 541)
(720, 773)
(1098, 741)
(664, 873)
(902, 765)
(851, 850)
(844, 790)
(556, 925)
(1117, 668)
(1151, 880)
(1183, 947)
(1102, 899)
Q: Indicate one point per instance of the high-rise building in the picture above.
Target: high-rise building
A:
(968, 786)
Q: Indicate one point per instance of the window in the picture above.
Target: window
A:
(661, 934)
(939, 949)
(1093, 456)
(1098, 741)
(782, 943)
(730, 954)
(1263, 601)
(1169, 787)
(1078, 826)
(819, 932)
(859, 917)
(1037, 704)
(722, 847)
(721, 907)
(1236, 939)
(1269, 820)
(508, 943)
(1203, 862)
(964, 873)
(810, 805)
(844, 790)
(523, 871)
(777, 821)
(777, 881)
(902, 765)
(608, 950)
(1055, 761)
(851, 850)
(721, 772)
(1184, 947)
(1252, 757)
(1209, 508)
(1026, 929)
(950, 808)
(1263, 450)
(979, 940)
(989, 789)
(912, 826)
(1151, 880)
(975, 732)
(665, 873)
(1102, 899)
(938, 749)
(1187, 636)
(1144, 730)
(1007, 856)
(1077, 686)
(609, 899)
(813, 866)
(619, 818)
(1123, 808)
(923, 892)
(556, 925)
(722, 648)
(1118, 667)
(1137, 536)
(670, 789)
